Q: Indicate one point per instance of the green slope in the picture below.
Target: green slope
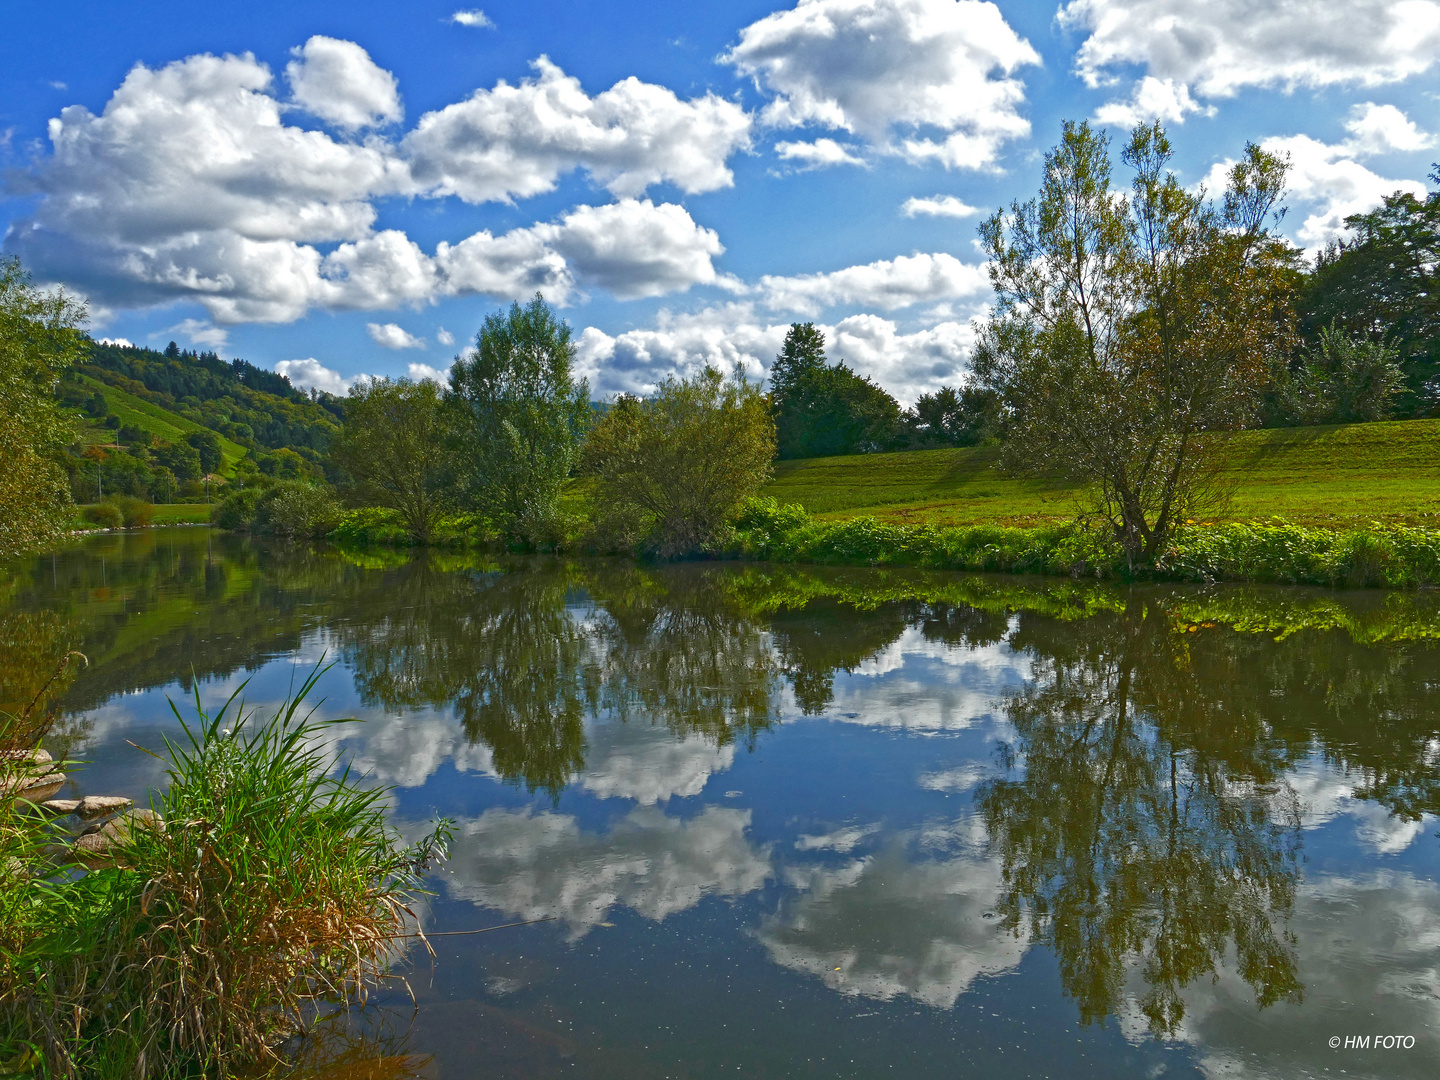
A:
(158, 421)
(1320, 475)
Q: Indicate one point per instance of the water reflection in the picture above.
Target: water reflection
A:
(1204, 815)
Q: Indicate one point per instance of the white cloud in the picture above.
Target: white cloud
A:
(310, 373)
(125, 342)
(888, 284)
(338, 82)
(201, 332)
(648, 763)
(732, 337)
(1328, 181)
(393, 336)
(818, 154)
(474, 17)
(1153, 99)
(876, 68)
(518, 140)
(1217, 49)
(937, 206)
(443, 336)
(426, 373)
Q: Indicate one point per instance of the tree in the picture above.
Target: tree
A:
(521, 415)
(1342, 380)
(1383, 283)
(1127, 331)
(180, 458)
(207, 445)
(40, 338)
(395, 449)
(950, 417)
(822, 409)
(683, 459)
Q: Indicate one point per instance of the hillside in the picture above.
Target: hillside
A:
(159, 421)
(1318, 475)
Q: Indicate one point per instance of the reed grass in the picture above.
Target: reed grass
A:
(274, 883)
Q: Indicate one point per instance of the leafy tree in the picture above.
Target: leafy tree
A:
(207, 445)
(40, 338)
(1127, 331)
(395, 449)
(1384, 283)
(683, 459)
(1342, 380)
(950, 417)
(180, 458)
(822, 409)
(521, 418)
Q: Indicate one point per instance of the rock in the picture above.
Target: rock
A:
(36, 755)
(93, 806)
(60, 807)
(95, 847)
(34, 776)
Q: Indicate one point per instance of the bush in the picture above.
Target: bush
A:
(136, 513)
(236, 510)
(105, 515)
(272, 884)
(296, 510)
(371, 525)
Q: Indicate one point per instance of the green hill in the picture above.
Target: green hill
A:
(1318, 475)
(159, 421)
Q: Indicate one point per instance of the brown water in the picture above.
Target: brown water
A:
(790, 822)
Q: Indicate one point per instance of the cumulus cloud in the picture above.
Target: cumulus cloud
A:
(1218, 49)
(443, 336)
(201, 332)
(124, 342)
(937, 206)
(518, 140)
(474, 17)
(888, 284)
(426, 373)
(190, 185)
(818, 154)
(928, 79)
(392, 336)
(1327, 180)
(338, 82)
(648, 763)
(733, 337)
(1153, 99)
(310, 374)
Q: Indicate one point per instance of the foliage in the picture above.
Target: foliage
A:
(371, 525)
(103, 515)
(823, 409)
(396, 451)
(134, 513)
(1343, 380)
(520, 419)
(1127, 331)
(949, 417)
(682, 460)
(1381, 284)
(274, 882)
(207, 449)
(295, 510)
(237, 509)
(40, 338)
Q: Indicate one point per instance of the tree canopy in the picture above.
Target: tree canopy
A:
(823, 409)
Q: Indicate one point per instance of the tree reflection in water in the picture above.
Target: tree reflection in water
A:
(1124, 839)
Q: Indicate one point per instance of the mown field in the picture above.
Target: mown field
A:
(1316, 476)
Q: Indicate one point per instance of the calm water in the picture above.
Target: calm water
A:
(807, 823)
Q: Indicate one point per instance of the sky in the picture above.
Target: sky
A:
(338, 191)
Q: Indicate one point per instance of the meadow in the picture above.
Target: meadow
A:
(1322, 476)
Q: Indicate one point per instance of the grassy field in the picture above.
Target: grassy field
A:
(1318, 476)
(160, 422)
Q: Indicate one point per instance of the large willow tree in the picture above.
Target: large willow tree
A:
(1130, 327)
(39, 338)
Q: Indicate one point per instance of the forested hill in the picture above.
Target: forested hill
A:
(246, 404)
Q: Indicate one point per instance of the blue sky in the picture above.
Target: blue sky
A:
(339, 191)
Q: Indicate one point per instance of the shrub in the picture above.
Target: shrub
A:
(371, 525)
(272, 884)
(296, 510)
(235, 511)
(105, 515)
(136, 513)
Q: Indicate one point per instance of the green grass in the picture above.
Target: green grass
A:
(1316, 476)
(161, 422)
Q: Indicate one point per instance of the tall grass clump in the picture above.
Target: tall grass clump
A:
(272, 882)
